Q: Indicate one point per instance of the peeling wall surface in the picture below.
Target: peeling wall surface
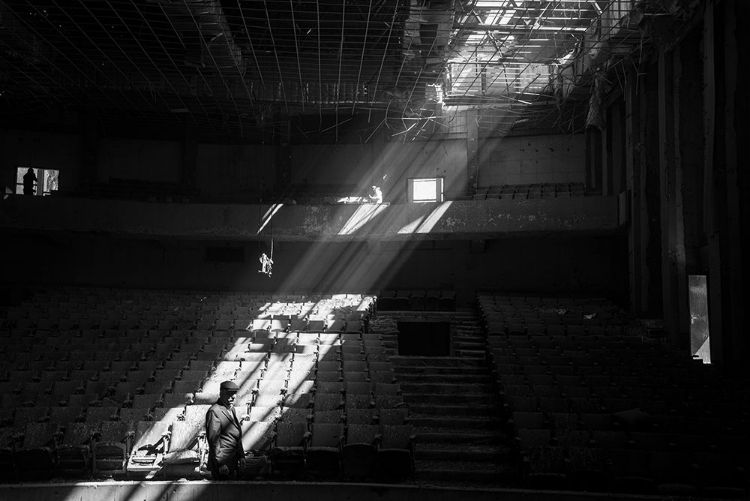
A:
(457, 219)
(531, 160)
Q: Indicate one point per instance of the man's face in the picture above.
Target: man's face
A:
(227, 397)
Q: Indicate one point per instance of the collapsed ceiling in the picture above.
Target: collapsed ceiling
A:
(234, 67)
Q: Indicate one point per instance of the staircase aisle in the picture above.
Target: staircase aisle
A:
(454, 409)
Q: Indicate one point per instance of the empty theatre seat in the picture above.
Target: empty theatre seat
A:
(323, 457)
(113, 442)
(359, 452)
(287, 455)
(74, 450)
(187, 447)
(150, 443)
(37, 452)
(395, 458)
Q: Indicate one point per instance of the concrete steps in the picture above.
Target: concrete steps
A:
(454, 409)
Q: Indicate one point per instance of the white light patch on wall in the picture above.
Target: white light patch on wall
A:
(435, 216)
(363, 215)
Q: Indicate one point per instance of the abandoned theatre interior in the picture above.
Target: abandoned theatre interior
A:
(442, 247)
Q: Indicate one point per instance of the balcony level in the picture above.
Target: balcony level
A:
(462, 219)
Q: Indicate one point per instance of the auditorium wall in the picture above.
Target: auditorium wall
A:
(582, 264)
(532, 159)
(44, 150)
(233, 171)
(385, 164)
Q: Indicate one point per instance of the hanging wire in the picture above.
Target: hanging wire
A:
(276, 55)
(362, 58)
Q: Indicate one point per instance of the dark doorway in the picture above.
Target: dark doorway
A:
(425, 339)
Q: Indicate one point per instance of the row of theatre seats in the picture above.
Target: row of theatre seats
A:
(132, 401)
(416, 300)
(122, 309)
(595, 406)
(529, 191)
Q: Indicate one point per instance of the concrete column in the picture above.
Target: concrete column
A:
(638, 233)
(726, 222)
(672, 240)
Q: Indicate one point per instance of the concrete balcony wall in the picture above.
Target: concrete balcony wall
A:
(556, 246)
(342, 222)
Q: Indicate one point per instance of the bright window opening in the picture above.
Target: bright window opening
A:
(47, 180)
(422, 190)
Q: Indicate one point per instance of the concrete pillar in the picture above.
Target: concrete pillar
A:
(726, 221)
(638, 233)
(670, 175)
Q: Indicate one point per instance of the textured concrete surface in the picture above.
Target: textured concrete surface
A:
(341, 222)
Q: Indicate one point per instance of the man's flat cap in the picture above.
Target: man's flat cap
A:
(229, 386)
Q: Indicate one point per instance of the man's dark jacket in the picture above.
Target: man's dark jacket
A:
(224, 436)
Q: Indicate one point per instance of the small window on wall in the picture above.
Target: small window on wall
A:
(426, 189)
(47, 180)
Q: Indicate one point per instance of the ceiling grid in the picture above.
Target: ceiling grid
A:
(237, 67)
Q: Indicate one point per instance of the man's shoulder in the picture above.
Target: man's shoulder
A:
(216, 408)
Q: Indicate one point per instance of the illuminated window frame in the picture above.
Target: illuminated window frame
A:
(48, 180)
(425, 189)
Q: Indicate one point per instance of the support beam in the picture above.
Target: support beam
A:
(731, 242)
(715, 317)
(636, 186)
(726, 220)
(677, 210)
(670, 187)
